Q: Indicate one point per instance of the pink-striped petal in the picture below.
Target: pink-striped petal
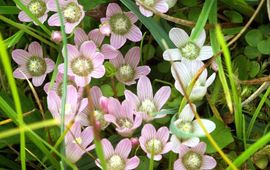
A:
(123, 148)
(96, 95)
(134, 34)
(21, 73)
(109, 51)
(88, 49)
(133, 57)
(98, 72)
(112, 9)
(178, 165)
(148, 131)
(200, 148)
(35, 49)
(107, 148)
(97, 59)
(54, 20)
(117, 40)
(24, 17)
(20, 56)
(178, 36)
(145, 12)
(72, 52)
(163, 134)
(144, 88)
(142, 71)
(82, 81)
(50, 65)
(132, 163)
(80, 36)
(96, 36)
(208, 162)
(118, 61)
(162, 96)
(133, 18)
(162, 6)
(37, 81)
(132, 98)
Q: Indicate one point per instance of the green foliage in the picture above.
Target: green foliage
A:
(88, 5)
(253, 37)
(263, 46)
(148, 51)
(234, 16)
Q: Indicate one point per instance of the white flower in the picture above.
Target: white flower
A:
(187, 49)
(185, 71)
(186, 125)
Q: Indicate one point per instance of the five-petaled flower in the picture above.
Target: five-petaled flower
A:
(159, 5)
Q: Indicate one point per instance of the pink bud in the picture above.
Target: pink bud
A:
(214, 66)
(103, 102)
(56, 36)
(134, 141)
(105, 29)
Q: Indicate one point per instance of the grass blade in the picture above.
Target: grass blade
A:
(9, 10)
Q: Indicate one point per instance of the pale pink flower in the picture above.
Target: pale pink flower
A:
(32, 64)
(56, 37)
(185, 71)
(187, 49)
(194, 158)
(84, 63)
(101, 108)
(78, 142)
(189, 129)
(155, 142)
(117, 159)
(127, 68)
(37, 7)
(73, 107)
(145, 103)
(97, 37)
(160, 5)
(72, 12)
(120, 25)
(123, 117)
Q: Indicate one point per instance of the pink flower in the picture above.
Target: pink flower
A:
(122, 116)
(127, 68)
(56, 37)
(32, 64)
(145, 103)
(97, 37)
(155, 142)
(37, 7)
(84, 63)
(101, 108)
(73, 107)
(121, 26)
(194, 158)
(78, 142)
(117, 159)
(160, 5)
(72, 12)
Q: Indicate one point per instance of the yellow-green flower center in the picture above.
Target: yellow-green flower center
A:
(125, 73)
(154, 146)
(100, 118)
(192, 160)
(186, 127)
(125, 123)
(115, 162)
(37, 8)
(120, 24)
(148, 106)
(190, 51)
(82, 66)
(149, 3)
(72, 12)
(36, 66)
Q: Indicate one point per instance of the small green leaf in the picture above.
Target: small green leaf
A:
(189, 3)
(241, 63)
(148, 51)
(107, 90)
(110, 69)
(254, 69)
(234, 16)
(221, 132)
(120, 88)
(262, 162)
(251, 52)
(263, 46)
(164, 67)
(253, 37)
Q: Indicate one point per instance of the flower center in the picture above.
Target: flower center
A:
(100, 117)
(82, 66)
(125, 73)
(77, 140)
(148, 2)
(36, 66)
(190, 51)
(115, 162)
(72, 12)
(60, 86)
(37, 8)
(125, 123)
(120, 24)
(148, 107)
(154, 145)
(186, 127)
(192, 160)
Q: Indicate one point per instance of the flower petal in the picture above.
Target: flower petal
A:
(133, 18)
(201, 39)
(96, 95)
(162, 6)
(133, 57)
(210, 80)
(21, 73)
(24, 17)
(200, 148)
(206, 52)
(107, 148)
(208, 162)
(187, 115)
(144, 88)
(80, 36)
(191, 142)
(72, 52)
(117, 40)
(109, 51)
(209, 125)
(172, 54)
(132, 163)
(148, 132)
(96, 36)
(132, 98)
(50, 65)
(145, 12)
(112, 9)
(54, 20)
(88, 49)
(37, 81)
(134, 34)
(162, 96)
(142, 71)
(118, 61)
(98, 72)
(163, 134)
(123, 148)
(178, 36)
(35, 49)
(178, 165)
(20, 56)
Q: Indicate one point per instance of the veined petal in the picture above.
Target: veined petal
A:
(80, 36)
(178, 36)
(206, 52)
(210, 80)
(198, 131)
(172, 55)
(117, 40)
(20, 56)
(133, 57)
(187, 115)
(162, 96)
(201, 39)
(113, 8)
(96, 36)
(208, 162)
(35, 49)
(123, 148)
(200, 148)
(107, 148)
(144, 88)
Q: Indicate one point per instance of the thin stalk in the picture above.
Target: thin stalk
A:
(64, 88)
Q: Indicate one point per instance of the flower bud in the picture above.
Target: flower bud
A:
(56, 37)
(134, 142)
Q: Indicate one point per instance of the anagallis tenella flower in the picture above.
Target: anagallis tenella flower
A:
(117, 159)
(187, 49)
(37, 7)
(194, 158)
(160, 5)
(127, 68)
(32, 64)
(120, 25)
(84, 63)
(145, 103)
(72, 12)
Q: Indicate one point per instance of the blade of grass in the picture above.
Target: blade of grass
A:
(202, 20)
(64, 87)
(257, 112)
(236, 97)
(8, 69)
(27, 30)
(216, 48)
(156, 30)
(251, 150)
(15, 131)
(33, 17)
(9, 10)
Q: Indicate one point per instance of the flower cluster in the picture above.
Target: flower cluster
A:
(88, 56)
